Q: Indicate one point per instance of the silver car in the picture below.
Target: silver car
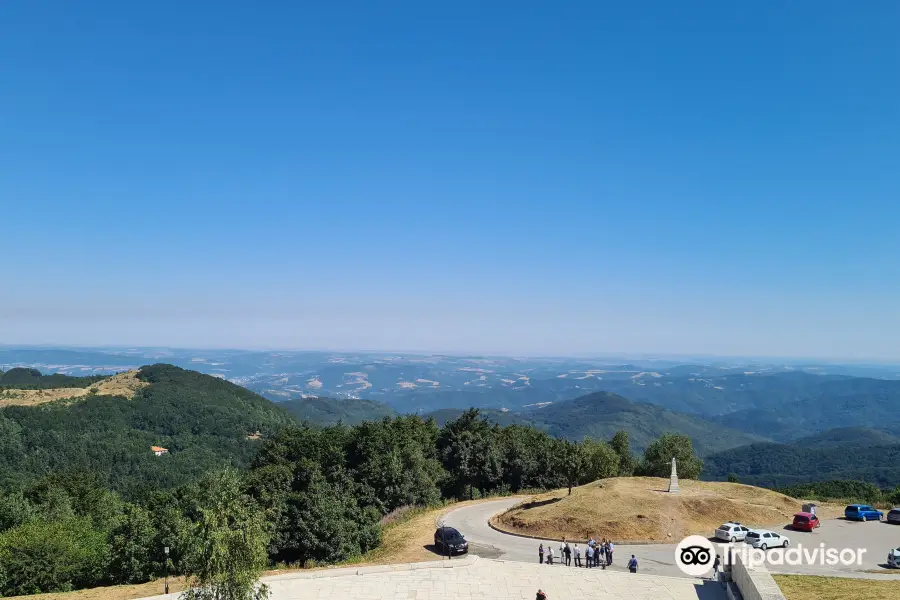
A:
(731, 532)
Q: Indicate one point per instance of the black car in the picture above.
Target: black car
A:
(894, 516)
(450, 541)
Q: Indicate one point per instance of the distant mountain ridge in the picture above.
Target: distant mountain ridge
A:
(600, 415)
(330, 411)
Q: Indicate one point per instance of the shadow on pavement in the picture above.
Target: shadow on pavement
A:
(710, 590)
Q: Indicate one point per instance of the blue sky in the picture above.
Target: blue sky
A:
(541, 178)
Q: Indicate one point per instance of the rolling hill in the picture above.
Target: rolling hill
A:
(601, 414)
(500, 417)
(849, 436)
(329, 411)
(781, 465)
(203, 421)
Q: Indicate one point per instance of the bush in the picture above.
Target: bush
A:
(52, 556)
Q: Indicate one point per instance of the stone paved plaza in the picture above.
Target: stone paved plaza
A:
(485, 579)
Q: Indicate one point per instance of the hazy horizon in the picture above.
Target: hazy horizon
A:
(682, 358)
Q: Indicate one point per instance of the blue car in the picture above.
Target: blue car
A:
(862, 512)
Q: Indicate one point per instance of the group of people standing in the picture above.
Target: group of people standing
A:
(596, 554)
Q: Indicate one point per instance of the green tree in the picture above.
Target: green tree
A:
(622, 447)
(572, 456)
(658, 457)
(52, 556)
(732, 478)
(226, 551)
(394, 461)
(600, 461)
(893, 496)
(527, 459)
(15, 509)
(131, 546)
(470, 453)
(318, 511)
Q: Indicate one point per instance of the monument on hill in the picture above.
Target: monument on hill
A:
(673, 479)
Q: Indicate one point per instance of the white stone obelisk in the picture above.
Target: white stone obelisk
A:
(673, 479)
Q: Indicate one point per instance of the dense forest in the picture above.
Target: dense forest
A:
(203, 421)
(32, 379)
(780, 465)
(86, 503)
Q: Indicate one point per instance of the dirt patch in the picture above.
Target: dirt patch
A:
(808, 587)
(639, 509)
(121, 384)
(113, 592)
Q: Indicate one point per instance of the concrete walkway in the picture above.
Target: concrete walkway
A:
(486, 579)
(476, 578)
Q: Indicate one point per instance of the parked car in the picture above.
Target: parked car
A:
(862, 512)
(893, 516)
(764, 539)
(451, 541)
(731, 532)
(805, 521)
(894, 558)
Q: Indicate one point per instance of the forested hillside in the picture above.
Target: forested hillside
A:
(601, 414)
(103, 513)
(330, 411)
(779, 465)
(204, 422)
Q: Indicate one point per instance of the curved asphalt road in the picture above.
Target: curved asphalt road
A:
(659, 559)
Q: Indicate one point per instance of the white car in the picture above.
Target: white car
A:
(764, 539)
(894, 558)
(731, 532)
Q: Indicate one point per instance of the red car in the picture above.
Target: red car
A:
(805, 521)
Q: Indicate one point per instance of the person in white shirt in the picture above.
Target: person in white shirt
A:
(577, 551)
(549, 554)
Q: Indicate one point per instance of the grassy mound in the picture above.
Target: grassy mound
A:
(640, 509)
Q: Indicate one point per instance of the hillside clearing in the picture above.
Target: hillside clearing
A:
(639, 509)
(121, 384)
(809, 587)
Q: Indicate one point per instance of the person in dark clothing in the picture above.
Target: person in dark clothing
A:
(716, 564)
(540, 595)
(632, 564)
(541, 554)
(609, 552)
(568, 552)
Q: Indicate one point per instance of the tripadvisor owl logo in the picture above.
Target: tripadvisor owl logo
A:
(694, 555)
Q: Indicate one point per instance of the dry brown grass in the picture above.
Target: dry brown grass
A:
(120, 384)
(112, 592)
(640, 509)
(809, 587)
